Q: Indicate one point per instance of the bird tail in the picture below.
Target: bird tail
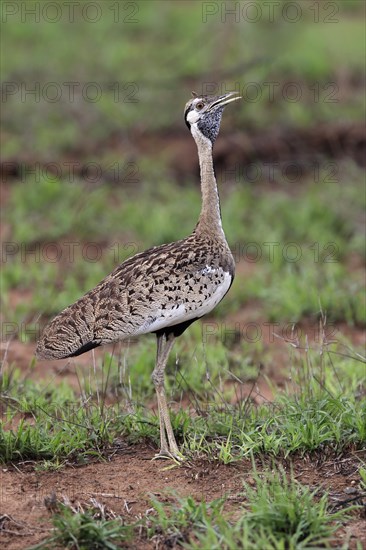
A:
(68, 334)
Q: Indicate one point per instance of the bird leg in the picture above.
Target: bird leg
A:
(168, 445)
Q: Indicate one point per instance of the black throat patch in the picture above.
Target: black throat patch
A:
(209, 125)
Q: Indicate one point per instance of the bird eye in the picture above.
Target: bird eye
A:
(200, 106)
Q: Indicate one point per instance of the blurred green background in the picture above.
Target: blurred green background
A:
(97, 163)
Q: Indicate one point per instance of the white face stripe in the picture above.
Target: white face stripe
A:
(193, 116)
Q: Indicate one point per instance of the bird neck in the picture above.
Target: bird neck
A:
(210, 216)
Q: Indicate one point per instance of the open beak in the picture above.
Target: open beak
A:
(225, 99)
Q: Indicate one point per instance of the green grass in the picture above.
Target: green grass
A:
(325, 408)
(295, 292)
(278, 513)
(289, 425)
(86, 529)
(299, 246)
(218, 53)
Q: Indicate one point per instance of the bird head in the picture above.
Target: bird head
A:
(203, 113)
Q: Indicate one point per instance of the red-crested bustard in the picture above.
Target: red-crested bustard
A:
(162, 290)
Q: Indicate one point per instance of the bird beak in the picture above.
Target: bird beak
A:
(225, 99)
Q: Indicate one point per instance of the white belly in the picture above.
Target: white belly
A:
(175, 315)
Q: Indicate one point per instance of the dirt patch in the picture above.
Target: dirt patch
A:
(127, 481)
(125, 485)
(323, 140)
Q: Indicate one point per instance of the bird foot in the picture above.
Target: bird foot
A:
(164, 454)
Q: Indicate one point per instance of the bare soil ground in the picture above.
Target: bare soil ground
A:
(126, 482)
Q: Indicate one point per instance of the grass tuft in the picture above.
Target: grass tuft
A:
(277, 513)
(86, 529)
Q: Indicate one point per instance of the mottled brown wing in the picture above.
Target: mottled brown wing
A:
(129, 300)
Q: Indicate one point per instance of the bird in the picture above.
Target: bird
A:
(162, 290)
